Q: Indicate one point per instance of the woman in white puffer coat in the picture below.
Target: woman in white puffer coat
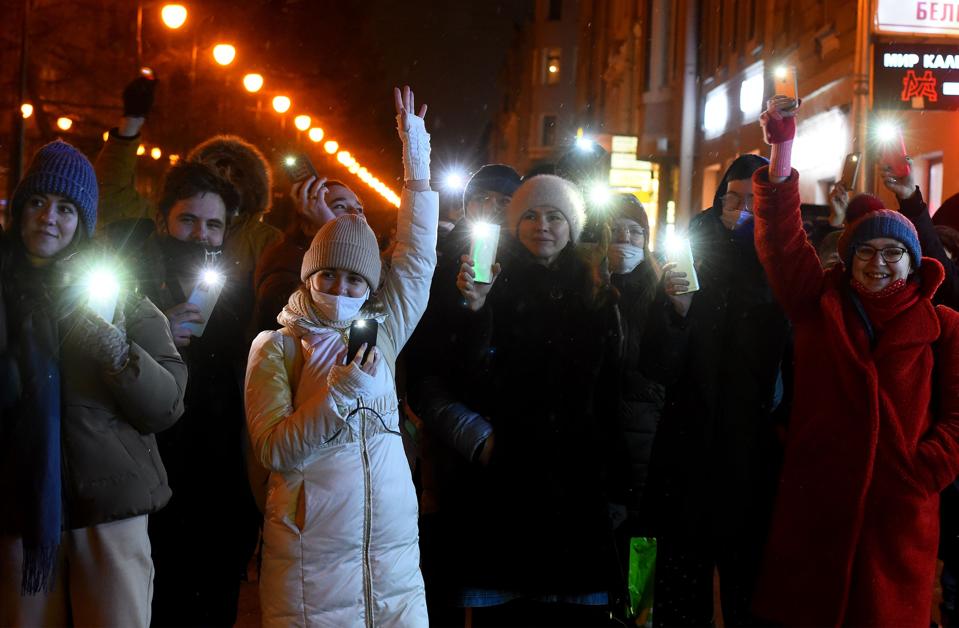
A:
(340, 531)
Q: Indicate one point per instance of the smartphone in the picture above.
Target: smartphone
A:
(786, 83)
(205, 295)
(893, 154)
(298, 167)
(850, 171)
(681, 253)
(361, 331)
(104, 303)
(483, 250)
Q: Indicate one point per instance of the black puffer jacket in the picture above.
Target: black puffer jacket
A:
(714, 462)
(636, 401)
(536, 517)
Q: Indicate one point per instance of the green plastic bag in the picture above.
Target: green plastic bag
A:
(642, 575)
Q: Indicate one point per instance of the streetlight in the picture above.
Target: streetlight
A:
(224, 54)
(302, 122)
(316, 134)
(253, 82)
(331, 147)
(26, 109)
(282, 104)
(64, 123)
(156, 153)
(173, 15)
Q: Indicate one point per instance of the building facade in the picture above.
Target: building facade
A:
(689, 78)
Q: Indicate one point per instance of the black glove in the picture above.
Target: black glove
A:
(138, 97)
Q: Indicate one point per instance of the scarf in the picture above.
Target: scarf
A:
(878, 308)
(36, 432)
(302, 317)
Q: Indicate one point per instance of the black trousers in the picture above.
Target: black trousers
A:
(684, 581)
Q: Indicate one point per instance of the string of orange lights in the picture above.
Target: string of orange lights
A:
(175, 16)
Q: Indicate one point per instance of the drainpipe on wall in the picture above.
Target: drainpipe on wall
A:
(860, 95)
(687, 140)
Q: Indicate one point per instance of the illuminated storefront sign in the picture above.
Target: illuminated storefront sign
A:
(918, 16)
(635, 176)
(916, 76)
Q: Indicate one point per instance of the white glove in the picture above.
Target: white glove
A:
(348, 382)
(416, 146)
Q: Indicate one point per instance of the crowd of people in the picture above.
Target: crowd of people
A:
(786, 421)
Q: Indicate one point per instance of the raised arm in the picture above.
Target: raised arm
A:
(913, 207)
(406, 287)
(790, 261)
(116, 164)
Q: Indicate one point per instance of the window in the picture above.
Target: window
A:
(751, 93)
(548, 135)
(551, 67)
(716, 112)
(555, 10)
(935, 183)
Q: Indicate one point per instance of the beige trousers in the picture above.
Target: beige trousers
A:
(104, 577)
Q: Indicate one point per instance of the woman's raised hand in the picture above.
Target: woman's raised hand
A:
(676, 284)
(416, 141)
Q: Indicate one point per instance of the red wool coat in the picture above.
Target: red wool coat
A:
(873, 438)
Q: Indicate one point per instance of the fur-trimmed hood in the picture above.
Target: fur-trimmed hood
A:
(244, 165)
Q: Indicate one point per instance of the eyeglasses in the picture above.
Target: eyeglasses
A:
(732, 201)
(634, 232)
(890, 254)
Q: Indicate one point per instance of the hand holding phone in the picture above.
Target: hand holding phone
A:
(680, 255)
(298, 167)
(850, 171)
(362, 334)
(483, 251)
(786, 83)
(204, 297)
(893, 152)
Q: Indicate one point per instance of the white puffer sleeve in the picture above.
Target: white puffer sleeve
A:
(406, 288)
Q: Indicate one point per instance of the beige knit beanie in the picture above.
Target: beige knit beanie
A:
(346, 243)
(547, 190)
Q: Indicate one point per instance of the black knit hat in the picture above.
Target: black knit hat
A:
(492, 178)
(59, 168)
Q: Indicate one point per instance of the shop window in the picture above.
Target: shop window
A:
(934, 184)
(548, 134)
(555, 10)
(552, 67)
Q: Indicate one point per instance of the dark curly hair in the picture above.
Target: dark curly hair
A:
(189, 178)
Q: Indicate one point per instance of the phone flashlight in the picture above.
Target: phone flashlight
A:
(893, 148)
(205, 295)
(147, 72)
(599, 195)
(680, 252)
(483, 250)
(290, 161)
(103, 293)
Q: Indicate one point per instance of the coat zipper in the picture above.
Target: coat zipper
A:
(367, 521)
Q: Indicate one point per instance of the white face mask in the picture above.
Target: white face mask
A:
(334, 307)
(624, 258)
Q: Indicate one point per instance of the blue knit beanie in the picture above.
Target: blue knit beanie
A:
(59, 168)
(883, 223)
